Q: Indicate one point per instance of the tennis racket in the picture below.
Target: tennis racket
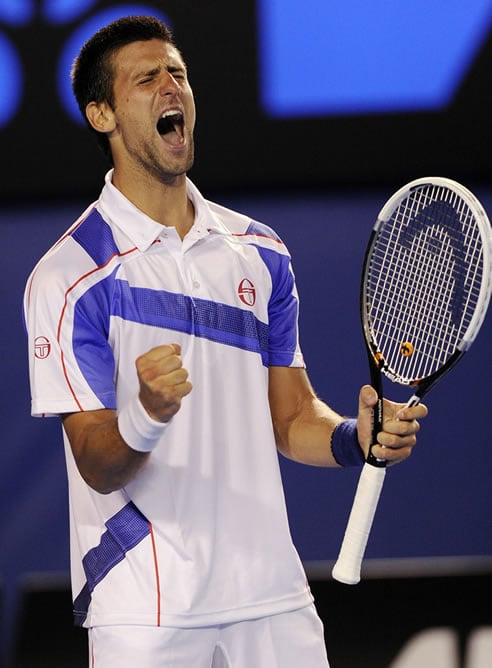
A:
(425, 289)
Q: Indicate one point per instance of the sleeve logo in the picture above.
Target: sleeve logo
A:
(42, 347)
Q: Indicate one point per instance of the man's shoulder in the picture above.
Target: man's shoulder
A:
(86, 244)
(241, 224)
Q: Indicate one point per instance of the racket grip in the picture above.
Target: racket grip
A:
(348, 565)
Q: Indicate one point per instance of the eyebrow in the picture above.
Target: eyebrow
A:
(151, 71)
(178, 67)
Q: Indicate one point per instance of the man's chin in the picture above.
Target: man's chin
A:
(173, 175)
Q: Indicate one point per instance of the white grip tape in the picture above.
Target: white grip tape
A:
(348, 565)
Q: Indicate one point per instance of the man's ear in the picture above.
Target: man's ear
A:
(100, 116)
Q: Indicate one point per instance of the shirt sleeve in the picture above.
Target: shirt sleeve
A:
(283, 312)
(71, 365)
(283, 307)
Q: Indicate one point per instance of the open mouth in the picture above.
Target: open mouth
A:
(170, 125)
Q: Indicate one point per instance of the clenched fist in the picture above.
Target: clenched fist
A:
(163, 381)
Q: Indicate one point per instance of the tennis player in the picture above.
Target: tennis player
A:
(163, 330)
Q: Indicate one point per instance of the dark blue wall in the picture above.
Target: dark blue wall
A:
(439, 503)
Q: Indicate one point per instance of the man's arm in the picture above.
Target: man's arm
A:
(304, 424)
(104, 459)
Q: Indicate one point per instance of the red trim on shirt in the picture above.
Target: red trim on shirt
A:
(157, 579)
(58, 334)
(263, 236)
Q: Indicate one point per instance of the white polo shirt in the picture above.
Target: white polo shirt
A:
(201, 535)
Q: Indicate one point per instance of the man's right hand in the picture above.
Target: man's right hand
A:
(163, 381)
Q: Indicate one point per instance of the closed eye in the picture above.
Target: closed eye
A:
(148, 76)
(177, 72)
(179, 75)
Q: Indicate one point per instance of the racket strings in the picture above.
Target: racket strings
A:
(415, 330)
(431, 312)
(428, 316)
(421, 308)
(423, 282)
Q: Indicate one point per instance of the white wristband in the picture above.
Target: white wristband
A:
(139, 431)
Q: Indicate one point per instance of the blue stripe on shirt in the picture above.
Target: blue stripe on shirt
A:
(91, 347)
(123, 532)
(96, 238)
(220, 323)
(217, 322)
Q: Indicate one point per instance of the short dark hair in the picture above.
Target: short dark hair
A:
(92, 72)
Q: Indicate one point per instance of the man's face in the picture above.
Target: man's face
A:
(154, 110)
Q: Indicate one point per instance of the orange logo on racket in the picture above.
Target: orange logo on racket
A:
(406, 349)
(379, 359)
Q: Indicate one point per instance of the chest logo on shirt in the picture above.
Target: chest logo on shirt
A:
(42, 347)
(247, 292)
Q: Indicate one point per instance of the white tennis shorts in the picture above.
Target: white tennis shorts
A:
(288, 640)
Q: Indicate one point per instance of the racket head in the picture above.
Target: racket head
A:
(426, 281)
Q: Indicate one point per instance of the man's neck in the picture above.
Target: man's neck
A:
(168, 204)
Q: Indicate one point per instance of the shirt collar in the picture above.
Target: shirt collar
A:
(143, 230)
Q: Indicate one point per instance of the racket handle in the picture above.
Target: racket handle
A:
(348, 565)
